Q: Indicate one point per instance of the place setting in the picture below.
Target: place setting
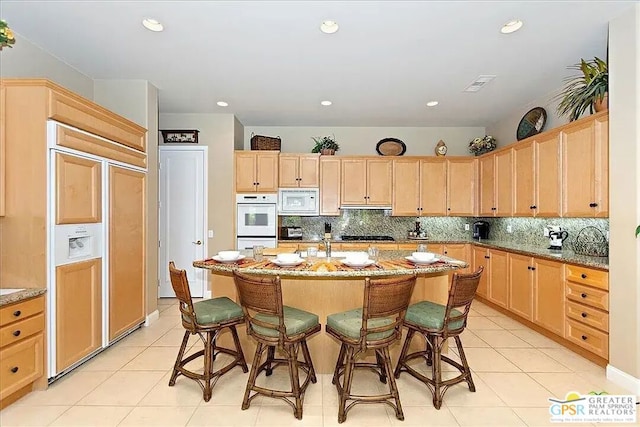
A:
(358, 260)
(287, 260)
(420, 259)
(228, 257)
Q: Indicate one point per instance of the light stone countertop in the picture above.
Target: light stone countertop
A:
(19, 294)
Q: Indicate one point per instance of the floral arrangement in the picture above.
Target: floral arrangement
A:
(6, 35)
(482, 145)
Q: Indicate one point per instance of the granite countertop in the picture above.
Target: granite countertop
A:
(391, 263)
(16, 295)
(565, 255)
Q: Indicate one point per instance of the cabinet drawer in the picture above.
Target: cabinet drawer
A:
(587, 295)
(589, 338)
(21, 310)
(589, 316)
(21, 364)
(588, 276)
(20, 330)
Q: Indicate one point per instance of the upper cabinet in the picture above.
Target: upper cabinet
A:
(585, 157)
(496, 184)
(299, 170)
(419, 186)
(366, 182)
(256, 171)
(461, 186)
(329, 185)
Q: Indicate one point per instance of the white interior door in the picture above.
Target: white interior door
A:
(182, 214)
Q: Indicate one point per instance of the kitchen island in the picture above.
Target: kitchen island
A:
(325, 286)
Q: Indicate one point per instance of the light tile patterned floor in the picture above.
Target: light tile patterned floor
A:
(515, 371)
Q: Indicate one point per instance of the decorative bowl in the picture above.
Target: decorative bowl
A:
(423, 256)
(228, 255)
(288, 258)
(357, 257)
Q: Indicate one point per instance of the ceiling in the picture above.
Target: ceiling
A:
(273, 66)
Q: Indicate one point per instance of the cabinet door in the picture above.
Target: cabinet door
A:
(461, 189)
(78, 190)
(459, 251)
(499, 278)
(267, 172)
(379, 182)
(547, 172)
(329, 185)
(435, 248)
(503, 189)
(245, 171)
(288, 171)
(602, 166)
(481, 258)
(406, 184)
(28, 357)
(78, 311)
(126, 249)
(523, 179)
(549, 295)
(433, 187)
(521, 285)
(578, 169)
(308, 171)
(354, 181)
(487, 182)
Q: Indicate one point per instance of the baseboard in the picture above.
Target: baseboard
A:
(151, 317)
(207, 295)
(624, 380)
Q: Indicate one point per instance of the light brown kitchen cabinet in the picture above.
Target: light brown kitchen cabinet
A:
(78, 311)
(498, 277)
(126, 249)
(419, 187)
(480, 258)
(406, 184)
(496, 187)
(21, 348)
(521, 285)
(461, 186)
(548, 307)
(585, 145)
(329, 186)
(523, 179)
(256, 171)
(366, 182)
(79, 189)
(298, 170)
(459, 251)
(486, 176)
(433, 186)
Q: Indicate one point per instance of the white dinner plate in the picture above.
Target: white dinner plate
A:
(217, 258)
(358, 264)
(415, 261)
(288, 263)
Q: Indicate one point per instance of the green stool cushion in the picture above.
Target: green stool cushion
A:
(349, 323)
(430, 315)
(295, 321)
(216, 310)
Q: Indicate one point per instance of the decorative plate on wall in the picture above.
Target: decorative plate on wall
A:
(391, 147)
(531, 123)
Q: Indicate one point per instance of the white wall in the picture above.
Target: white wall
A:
(420, 141)
(26, 60)
(238, 134)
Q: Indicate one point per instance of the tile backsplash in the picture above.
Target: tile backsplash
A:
(527, 231)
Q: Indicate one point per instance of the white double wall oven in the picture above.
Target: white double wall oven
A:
(256, 220)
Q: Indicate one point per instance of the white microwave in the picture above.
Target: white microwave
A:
(299, 202)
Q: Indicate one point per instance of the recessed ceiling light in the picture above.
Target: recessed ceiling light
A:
(329, 27)
(326, 103)
(152, 24)
(222, 104)
(432, 103)
(511, 26)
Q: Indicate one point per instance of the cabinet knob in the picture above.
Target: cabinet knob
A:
(534, 207)
(487, 256)
(14, 369)
(533, 268)
(531, 207)
(584, 337)
(17, 313)
(584, 314)
(448, 209)
(583, 295)
(16, 333)
(584, 276)
(593, 205)
(446, 252)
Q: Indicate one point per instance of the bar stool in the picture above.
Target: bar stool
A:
(436, 323)
(376, 325)
(208, 317)
(274, 325)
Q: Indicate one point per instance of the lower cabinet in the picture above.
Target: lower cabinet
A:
(480, 258)
(494, 283)
(21, 348)
(521, 285)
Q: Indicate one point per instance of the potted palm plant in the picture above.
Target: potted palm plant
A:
(325, 145)
(586, 90)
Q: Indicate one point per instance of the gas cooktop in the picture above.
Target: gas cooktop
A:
(348, 237)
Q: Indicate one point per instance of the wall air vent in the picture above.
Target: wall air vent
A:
(479, 83)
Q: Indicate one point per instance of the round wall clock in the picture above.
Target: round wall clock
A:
(531, 123)
(441, 148)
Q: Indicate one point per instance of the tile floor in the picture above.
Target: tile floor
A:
(515, 370)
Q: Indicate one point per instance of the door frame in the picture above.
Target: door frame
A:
(205, 207)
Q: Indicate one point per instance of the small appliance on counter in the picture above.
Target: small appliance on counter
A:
(291, 233)
(556, 237)
(481, 230)
(417, 233)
